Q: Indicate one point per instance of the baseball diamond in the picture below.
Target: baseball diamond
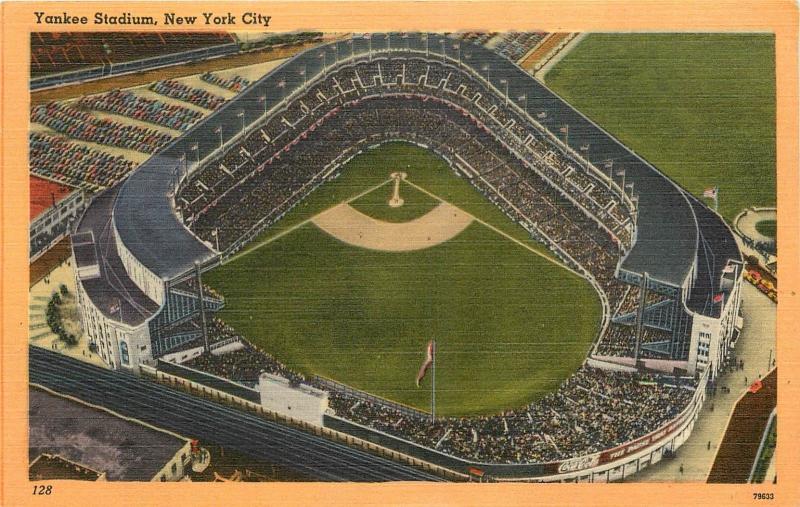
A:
(382, 200)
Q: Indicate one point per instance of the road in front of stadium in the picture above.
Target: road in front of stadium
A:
(211, 422)
(756, 347)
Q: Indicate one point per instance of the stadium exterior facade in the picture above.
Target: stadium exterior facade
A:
(138, 266)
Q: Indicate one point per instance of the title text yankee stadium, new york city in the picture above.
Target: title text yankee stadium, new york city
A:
(169, 19)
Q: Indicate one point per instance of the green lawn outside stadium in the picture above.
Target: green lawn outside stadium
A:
(700, 107)
(510, 325)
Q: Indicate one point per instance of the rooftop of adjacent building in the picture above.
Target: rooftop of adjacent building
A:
(125, 449)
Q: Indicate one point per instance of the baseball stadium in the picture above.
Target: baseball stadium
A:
(379, 202)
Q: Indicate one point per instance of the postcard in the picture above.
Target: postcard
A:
(355, 251)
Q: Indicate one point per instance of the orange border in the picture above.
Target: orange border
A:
(778, 16)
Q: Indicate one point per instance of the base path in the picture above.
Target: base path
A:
(349, 225)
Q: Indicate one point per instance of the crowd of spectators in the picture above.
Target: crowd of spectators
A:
(234, 83)
(58, 159)
(83, 126)
(197, 96)
(129, 104)
(243, 365)
(593, 410)
(273, 142)
(521, 171)
(620, 340)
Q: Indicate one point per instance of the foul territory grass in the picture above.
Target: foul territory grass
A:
(700, 107)
(510, 325)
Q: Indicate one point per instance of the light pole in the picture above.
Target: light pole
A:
(524, 99)
(457, 47)
(305, 79)
(427, 46)
(195, 148)
(585, 150)
(505, 82)
(282, 86)
(218, 130)
(609, 164)
(444, 53)
(241, 115)
(324, 58)
(622, 173)
(487, 69)
(263, 99)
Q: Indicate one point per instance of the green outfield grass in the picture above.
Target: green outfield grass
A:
(700, 107)
(510, 324)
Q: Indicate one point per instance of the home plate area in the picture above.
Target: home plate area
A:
(353, 227)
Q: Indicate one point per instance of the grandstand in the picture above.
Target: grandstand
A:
(665, 267)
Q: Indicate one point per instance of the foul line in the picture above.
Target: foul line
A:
(498, 231)
(296, 226)
(436, 197)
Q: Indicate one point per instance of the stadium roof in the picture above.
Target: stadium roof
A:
(147, 223)
(113, 292)
(667, 235)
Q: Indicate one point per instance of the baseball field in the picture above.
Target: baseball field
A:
(396, 251)
(700, 107)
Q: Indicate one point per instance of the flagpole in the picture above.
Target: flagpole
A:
(433, 385)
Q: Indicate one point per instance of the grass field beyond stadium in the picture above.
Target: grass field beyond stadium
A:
(510, 324)
(700, 107)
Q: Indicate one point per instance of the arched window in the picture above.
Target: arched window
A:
(123, 352)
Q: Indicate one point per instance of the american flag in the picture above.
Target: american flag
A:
(564, 130)
(430, 351)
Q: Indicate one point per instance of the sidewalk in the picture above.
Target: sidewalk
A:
(38, 297)
(755, 344)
